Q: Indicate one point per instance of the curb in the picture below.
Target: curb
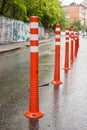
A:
(13, 49)
(47, 40)
(27, 45)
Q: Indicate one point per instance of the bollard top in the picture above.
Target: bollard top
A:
(72, 34)
(57, 25)
(34, 19)
(67, 28)
(76, 34)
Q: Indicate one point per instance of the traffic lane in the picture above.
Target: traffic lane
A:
(67, 107)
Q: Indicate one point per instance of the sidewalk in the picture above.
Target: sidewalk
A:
(15, 46)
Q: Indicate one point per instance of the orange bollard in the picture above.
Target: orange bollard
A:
(66, 64)
(77, 40)
(56, 80)
(33, 111)
(72, 47)
(76, 43)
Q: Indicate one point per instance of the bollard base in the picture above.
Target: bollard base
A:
(56, 82)
(71, 61)
(33, 114)
(67, 68)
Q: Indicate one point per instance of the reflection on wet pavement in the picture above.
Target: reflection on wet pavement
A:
(64, 107)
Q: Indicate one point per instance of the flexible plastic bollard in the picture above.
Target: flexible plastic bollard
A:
(66, 64)
(72, 47)
(76, 43)
(56, 80)
(33, 111)
(77, 40)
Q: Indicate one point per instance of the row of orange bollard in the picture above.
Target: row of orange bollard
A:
(74, 45)
(34, 111)
(72, 37)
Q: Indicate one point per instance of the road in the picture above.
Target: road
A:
(14, 80)
(64, 107)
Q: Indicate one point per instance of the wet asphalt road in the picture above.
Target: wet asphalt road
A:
(64, 106)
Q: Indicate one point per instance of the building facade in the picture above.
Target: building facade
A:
(76, 12)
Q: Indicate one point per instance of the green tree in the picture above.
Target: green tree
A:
(76, 25)
(13, 8)
(48, 11)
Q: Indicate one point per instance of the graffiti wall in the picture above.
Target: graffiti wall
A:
(5, 29)
(13, 31)
(20, 31)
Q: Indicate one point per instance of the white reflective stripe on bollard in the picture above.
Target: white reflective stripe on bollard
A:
(57, 36)
(67, 31)
(58, 29)
(34, 49)
(34, 25)
(57, 43)
(67, 36)
(66, 40)
(34, 37)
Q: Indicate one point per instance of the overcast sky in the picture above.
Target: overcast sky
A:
(66, 2)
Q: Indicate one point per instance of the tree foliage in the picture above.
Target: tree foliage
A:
(13, 8)
(75, 25)
(48, 11)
